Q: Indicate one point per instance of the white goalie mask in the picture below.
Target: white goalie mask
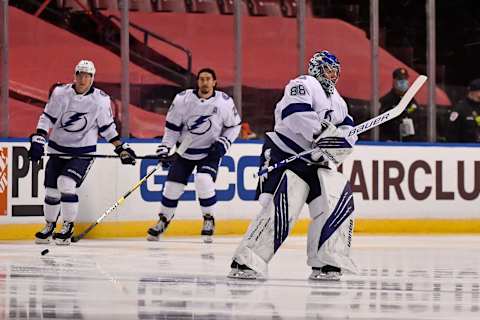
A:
(318, 66)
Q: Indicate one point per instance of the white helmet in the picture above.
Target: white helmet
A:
(85, 66)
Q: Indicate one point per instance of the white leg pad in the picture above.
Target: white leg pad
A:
(273, 224)
(330, 231)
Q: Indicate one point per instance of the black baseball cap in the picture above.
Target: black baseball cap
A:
(474, 85)
(400, 73)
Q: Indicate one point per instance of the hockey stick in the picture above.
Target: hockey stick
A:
(180, 150)
(362, 127)
(97, 156)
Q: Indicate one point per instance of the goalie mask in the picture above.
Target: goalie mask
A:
(325, 67)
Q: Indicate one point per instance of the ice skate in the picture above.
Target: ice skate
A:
(153, 234)
(43, 236)
(240, 271)
(208, 228)
(326, 273)
(63, 237)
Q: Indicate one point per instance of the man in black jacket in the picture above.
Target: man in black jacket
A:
(464, 120)
(403, 127)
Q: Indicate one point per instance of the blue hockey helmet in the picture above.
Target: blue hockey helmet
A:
(325, 67)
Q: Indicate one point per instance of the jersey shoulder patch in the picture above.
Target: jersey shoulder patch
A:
(225, 96)
(102, 93)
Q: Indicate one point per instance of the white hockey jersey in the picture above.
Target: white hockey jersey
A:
(204, 119)
(76, 120)
(299, 113)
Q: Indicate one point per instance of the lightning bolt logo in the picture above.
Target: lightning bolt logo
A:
(75, 122)
(199, 124)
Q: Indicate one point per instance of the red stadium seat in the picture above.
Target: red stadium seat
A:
(227, 7)
(140, 5)
(203, 6)
(171, 5)
(289, 8)
(73, 5)
(264, 8)
(106, 4)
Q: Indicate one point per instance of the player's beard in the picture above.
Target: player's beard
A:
(205, 90)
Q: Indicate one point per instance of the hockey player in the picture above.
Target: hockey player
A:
(210, 117)
(311, 114)
(76, 114)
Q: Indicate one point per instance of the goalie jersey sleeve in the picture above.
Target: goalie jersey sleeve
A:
(299, 113)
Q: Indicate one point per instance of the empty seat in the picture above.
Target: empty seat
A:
(203, 6)
(227, 7)
(171, 5)
(140, 5)
(75, 5)
(289, 8)
(106, 4)
(264, 8)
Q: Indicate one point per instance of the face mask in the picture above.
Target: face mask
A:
(401, 85)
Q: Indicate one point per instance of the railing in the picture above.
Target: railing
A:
(146, 35)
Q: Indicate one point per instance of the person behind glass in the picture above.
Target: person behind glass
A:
(464, 120)
(401, 128)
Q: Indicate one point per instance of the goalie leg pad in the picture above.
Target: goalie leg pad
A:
(330, 231)
(273, 224)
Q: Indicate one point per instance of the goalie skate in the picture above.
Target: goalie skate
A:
(326, 273)
(240, 271)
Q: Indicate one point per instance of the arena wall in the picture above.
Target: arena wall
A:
(398, 188)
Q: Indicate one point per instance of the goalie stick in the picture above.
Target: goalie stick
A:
(180, 150)
(362, 127)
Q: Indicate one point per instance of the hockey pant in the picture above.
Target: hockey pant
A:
(330, 229)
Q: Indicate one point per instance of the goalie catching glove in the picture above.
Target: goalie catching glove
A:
(126, 154)
(332, 144)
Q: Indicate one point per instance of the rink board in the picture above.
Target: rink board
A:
(421, 188)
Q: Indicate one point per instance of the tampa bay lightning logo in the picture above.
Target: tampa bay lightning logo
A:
(199, 124)
(73, 121)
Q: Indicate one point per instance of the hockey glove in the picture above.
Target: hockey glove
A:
(126, 154)
(219, 148)
(37, 147)
(333, 144)
(163, 153)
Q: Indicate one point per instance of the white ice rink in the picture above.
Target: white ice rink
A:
(181, 278)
